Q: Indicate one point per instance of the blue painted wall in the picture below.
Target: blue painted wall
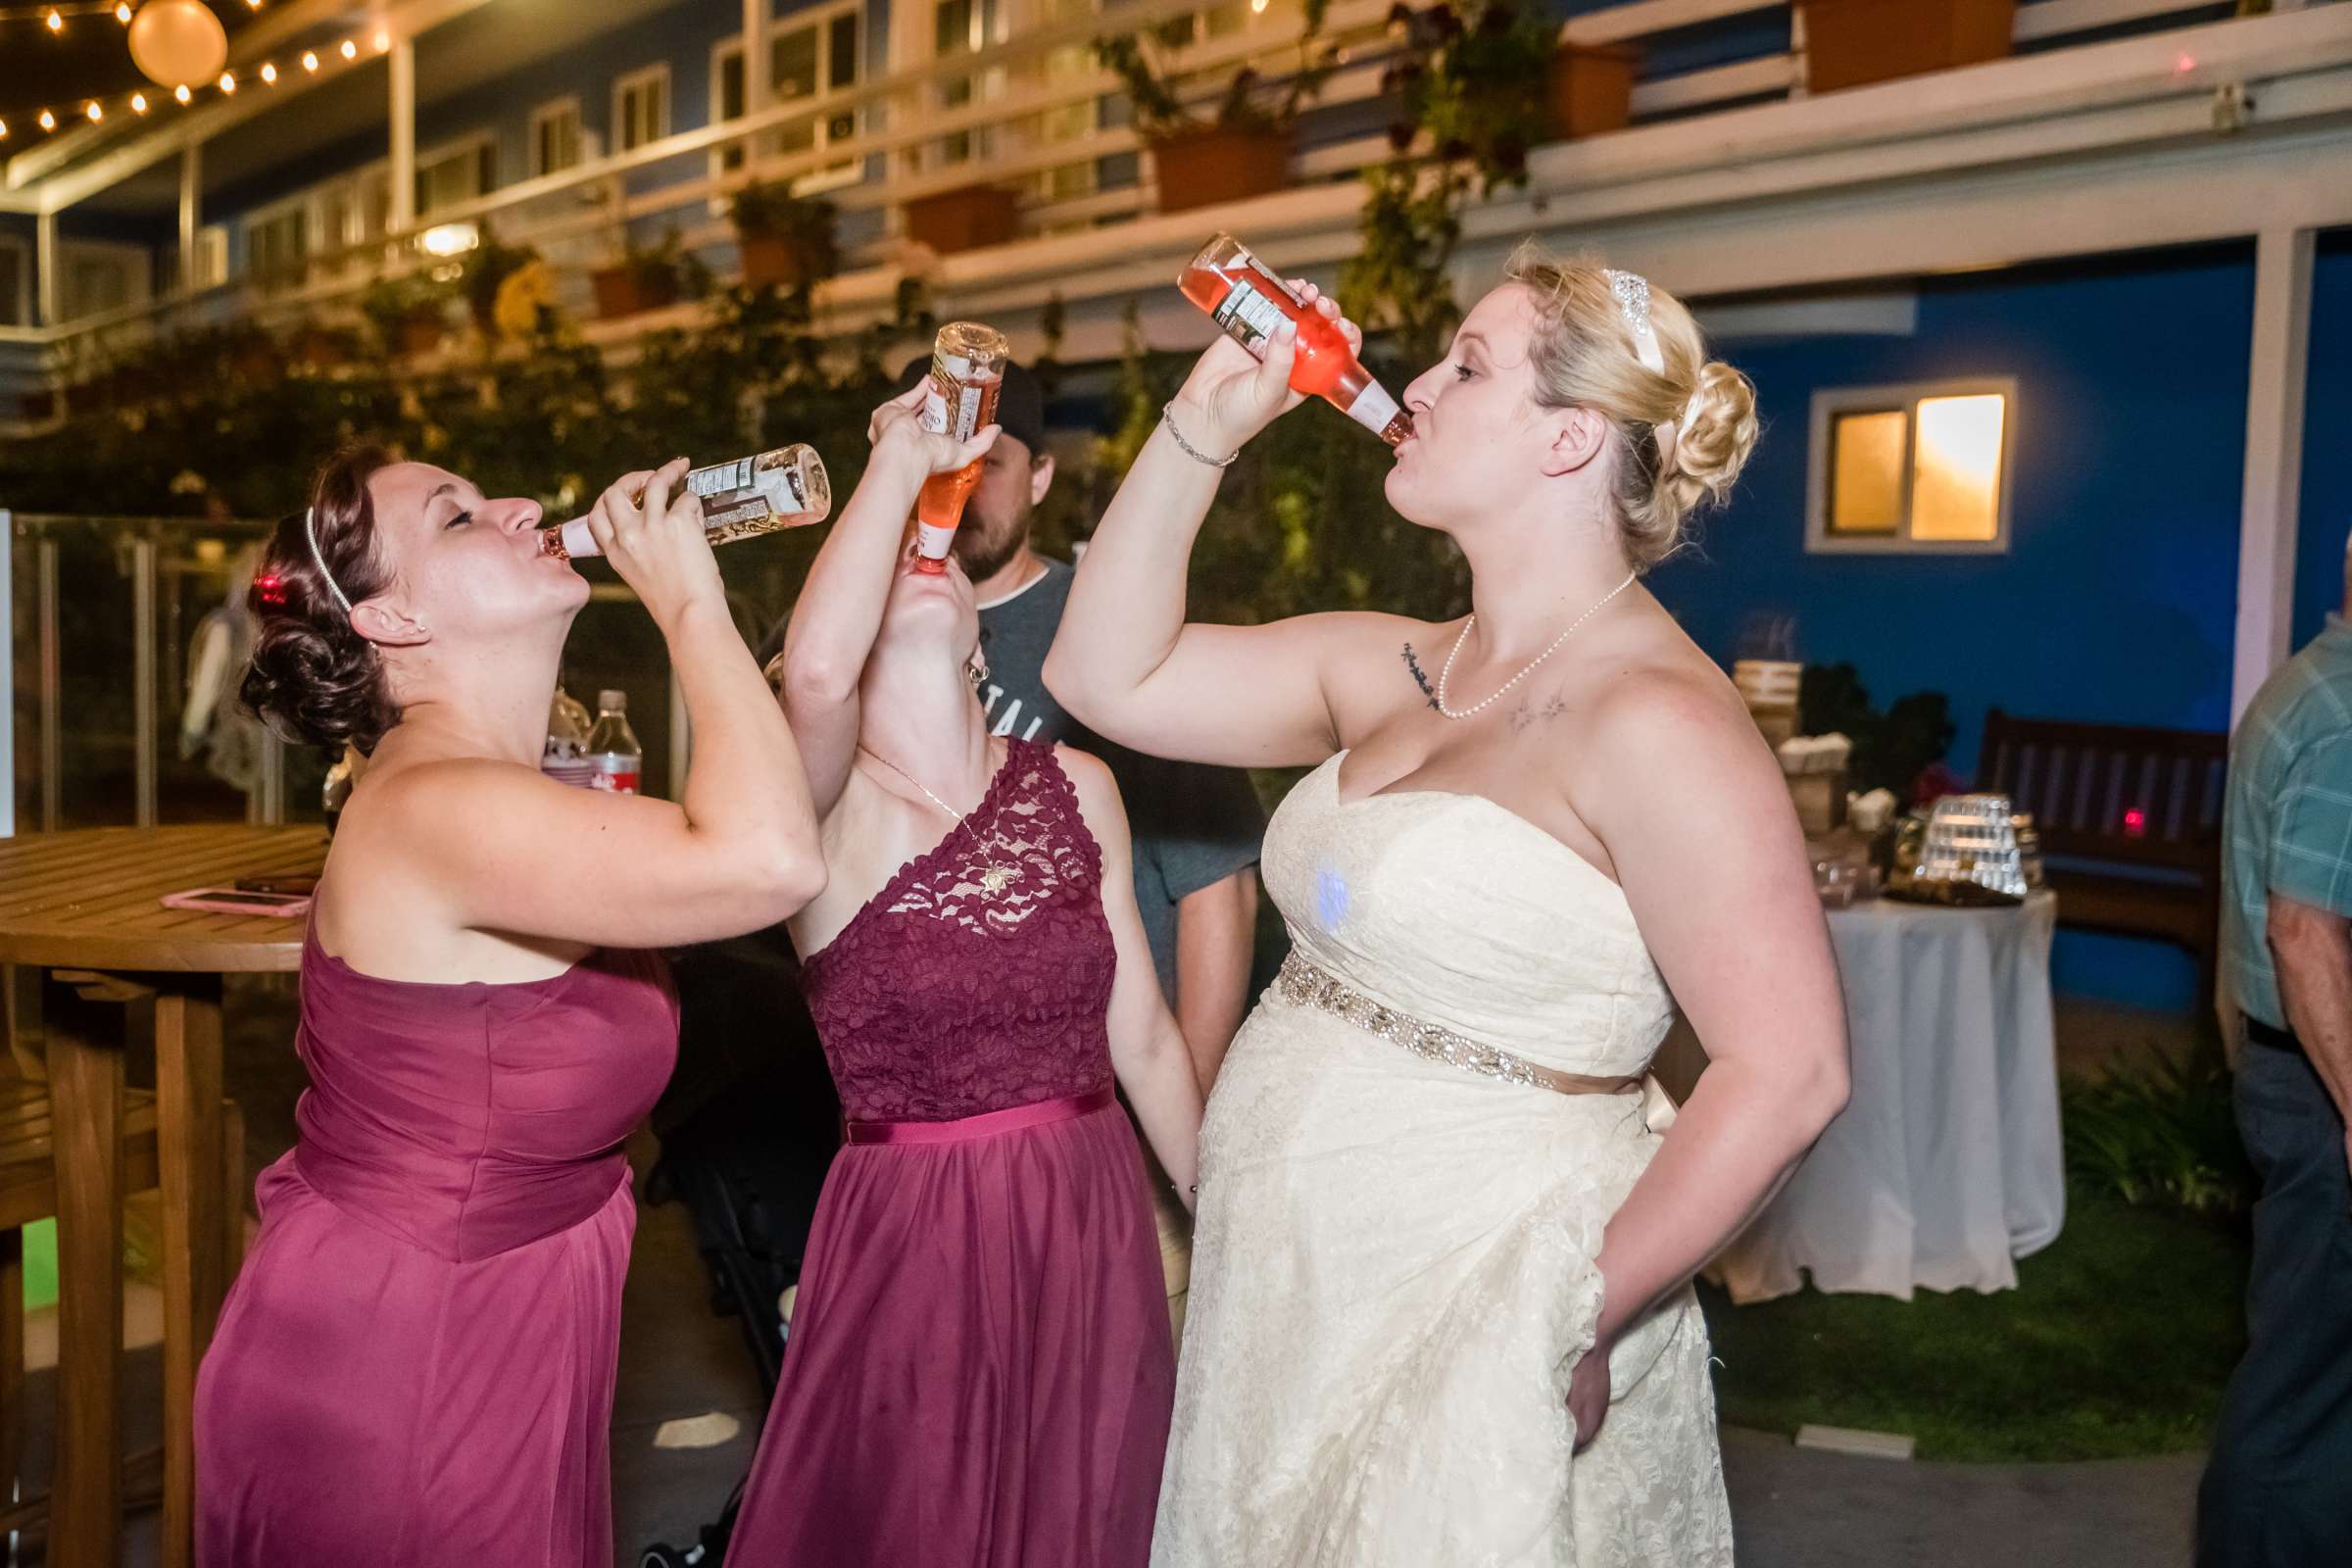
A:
(2326, 516)
(2116, 600)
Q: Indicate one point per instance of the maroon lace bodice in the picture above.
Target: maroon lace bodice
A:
(979, 977)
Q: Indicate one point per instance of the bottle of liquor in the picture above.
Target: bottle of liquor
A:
(967, 373)
(786, 488)
(612, 749)
(1242, 295)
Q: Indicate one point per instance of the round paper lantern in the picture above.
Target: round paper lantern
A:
(175, 41)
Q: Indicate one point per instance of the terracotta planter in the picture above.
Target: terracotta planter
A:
(1206, 167)
(322, 349)
(1852, 43)
(968, 218)
(422, 334)
(256, 362)
(628, 291)
(770, 261)
(1590, 92)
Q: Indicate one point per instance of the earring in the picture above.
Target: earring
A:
(975, 670)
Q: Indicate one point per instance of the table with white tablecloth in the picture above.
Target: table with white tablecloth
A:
(1947, 1165)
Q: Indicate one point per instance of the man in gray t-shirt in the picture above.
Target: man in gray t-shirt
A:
(1196, 829)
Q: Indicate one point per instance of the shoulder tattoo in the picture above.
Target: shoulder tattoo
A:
(1413, 665)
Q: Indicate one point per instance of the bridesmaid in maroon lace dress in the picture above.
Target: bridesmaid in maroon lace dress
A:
(416, 1366)
(979, 1369)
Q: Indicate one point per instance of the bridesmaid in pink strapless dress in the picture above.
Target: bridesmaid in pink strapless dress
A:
(454, 1224)
(979, 1369)
(417, 1365)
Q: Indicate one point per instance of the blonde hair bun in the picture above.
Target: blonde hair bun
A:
(1587, 355)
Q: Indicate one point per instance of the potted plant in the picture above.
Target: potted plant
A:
(486, 268)
(1852, 43)
(323, 348)
(968, 218)
(786, 241)
(406, 311)
(527, 307)
(1489, 80)
(1243, 149)
(645, 278)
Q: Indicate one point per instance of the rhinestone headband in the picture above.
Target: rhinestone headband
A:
(311, 535)
(1633, 302)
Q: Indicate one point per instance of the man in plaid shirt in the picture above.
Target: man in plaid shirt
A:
(2275, 1489)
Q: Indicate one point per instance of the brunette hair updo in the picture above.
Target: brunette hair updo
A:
(314, 679)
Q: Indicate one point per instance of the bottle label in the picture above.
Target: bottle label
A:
(1249, 315)
(721, 478)
(1373, 408)
(932, 541)
(614, 773)
(951, 405)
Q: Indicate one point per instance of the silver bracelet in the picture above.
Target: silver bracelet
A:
(1167, 416)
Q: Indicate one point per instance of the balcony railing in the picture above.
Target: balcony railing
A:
(573, 217)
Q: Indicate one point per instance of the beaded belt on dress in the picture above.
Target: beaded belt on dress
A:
(1304, 984)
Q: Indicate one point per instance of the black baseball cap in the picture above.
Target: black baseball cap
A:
(1021, 405)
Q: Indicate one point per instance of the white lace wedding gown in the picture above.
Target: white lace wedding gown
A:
(1393, 1268)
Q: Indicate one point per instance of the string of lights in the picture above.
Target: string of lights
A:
(54, 17)
(141, 101)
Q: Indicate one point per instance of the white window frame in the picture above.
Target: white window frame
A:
(24, 255)
(471, 144)
(820, 19)
(302, 202)
(731, 46)
(989, 82)
(556, 109)
(1831, 402)
(624, 85)
(137, 259)
(357, 190)
(211, 256)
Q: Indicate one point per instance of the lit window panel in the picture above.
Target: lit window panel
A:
(1956, 474)
(1866, 471)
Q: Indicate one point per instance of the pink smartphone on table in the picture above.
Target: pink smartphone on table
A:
(236, 900)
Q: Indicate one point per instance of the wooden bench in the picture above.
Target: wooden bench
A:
(2131, 824)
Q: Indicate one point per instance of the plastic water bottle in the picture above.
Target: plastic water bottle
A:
(612, 750)
(566, 759)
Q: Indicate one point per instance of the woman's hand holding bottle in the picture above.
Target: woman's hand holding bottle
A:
(652, 532)
(1231, 394)
(901, 443)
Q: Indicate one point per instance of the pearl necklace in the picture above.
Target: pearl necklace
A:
(1464, 636)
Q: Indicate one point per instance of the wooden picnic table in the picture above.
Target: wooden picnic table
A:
(84, 907)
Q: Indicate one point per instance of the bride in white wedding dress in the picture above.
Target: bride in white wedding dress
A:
(1440, 1310)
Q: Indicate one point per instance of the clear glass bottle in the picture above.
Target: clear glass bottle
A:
(785, 488)
(566, 757)
(967, 373)
(613, 753)
(1242, 295)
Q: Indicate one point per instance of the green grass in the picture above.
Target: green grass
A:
(2116, 1343)
(41, 1264)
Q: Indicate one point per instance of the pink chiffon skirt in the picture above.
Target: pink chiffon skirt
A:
(979, 1369)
